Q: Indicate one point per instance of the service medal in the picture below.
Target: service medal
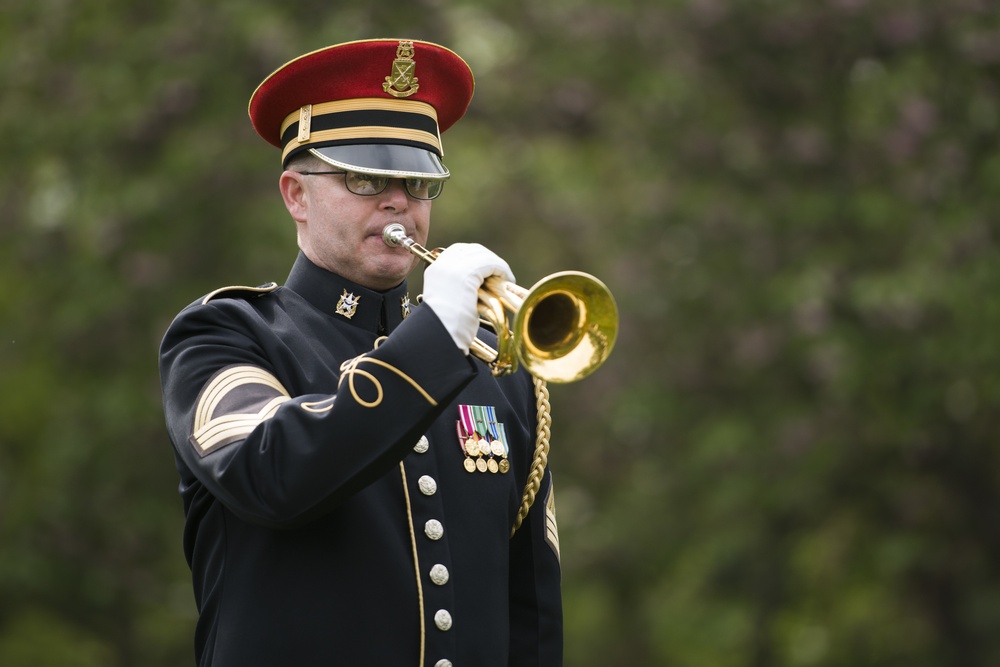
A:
(482, 438)
(498, 446)
(465, 443)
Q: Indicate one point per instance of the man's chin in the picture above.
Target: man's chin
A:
(391, 272)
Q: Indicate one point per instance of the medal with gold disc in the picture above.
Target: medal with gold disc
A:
(465, 443)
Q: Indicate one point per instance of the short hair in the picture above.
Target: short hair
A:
(304, 161)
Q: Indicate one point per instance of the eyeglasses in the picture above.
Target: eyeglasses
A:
(367, 185)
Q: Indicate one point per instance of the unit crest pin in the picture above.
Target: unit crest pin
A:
(348, 304)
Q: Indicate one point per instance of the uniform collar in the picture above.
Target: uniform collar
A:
(378, 312)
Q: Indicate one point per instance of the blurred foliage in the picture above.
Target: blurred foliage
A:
(790, 460)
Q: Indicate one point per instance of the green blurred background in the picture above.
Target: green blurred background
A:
(791, 457)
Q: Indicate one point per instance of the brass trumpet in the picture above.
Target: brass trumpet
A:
(563, 328)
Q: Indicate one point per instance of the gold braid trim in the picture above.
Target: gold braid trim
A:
(416, 563)
(350, 371)
(543, 431)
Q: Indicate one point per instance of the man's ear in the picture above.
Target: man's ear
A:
(293, 192)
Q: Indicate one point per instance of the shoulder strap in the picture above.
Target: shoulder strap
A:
(240, 291)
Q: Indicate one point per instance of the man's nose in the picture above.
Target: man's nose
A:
(394, 194)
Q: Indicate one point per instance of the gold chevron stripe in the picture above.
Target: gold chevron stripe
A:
(228, 428)
(226, 381)
(551, 528)
(211, 431)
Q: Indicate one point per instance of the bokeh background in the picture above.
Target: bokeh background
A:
(791, 458)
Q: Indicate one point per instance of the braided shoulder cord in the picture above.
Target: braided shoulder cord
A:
(542, 432)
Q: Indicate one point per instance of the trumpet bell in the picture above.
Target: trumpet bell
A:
(565, 327)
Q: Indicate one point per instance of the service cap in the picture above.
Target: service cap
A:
(375, 106)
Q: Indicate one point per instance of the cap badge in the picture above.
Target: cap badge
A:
(402, 83)
(348, 304)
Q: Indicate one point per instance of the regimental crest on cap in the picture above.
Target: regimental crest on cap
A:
(401, 82)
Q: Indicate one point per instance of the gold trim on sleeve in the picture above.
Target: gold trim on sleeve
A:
(225, 382)
(350, 371)
(319, 407)
(211, 431)
(551, 527)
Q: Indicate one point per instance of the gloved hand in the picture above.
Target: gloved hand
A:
(451, 288)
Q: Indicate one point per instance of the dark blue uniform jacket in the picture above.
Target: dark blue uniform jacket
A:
(329, 517)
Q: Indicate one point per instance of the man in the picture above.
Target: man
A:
(350, 474)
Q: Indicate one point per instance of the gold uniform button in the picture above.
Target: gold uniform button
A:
(442, 619)
(422, 445)
(433, 529)
(428, 486)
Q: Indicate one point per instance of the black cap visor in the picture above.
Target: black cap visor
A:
(390, 160)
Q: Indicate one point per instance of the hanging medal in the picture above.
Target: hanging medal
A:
(483, 439)
(469, 463)
(483, 431)
(504, 464)
(496, 447)
(472, 445)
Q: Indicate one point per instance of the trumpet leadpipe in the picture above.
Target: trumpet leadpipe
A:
(395, 235)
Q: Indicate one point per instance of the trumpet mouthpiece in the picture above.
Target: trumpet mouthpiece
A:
(393, 234)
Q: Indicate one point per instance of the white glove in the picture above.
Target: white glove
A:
(451, 288)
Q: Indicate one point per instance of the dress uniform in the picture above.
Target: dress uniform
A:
(350, 478)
